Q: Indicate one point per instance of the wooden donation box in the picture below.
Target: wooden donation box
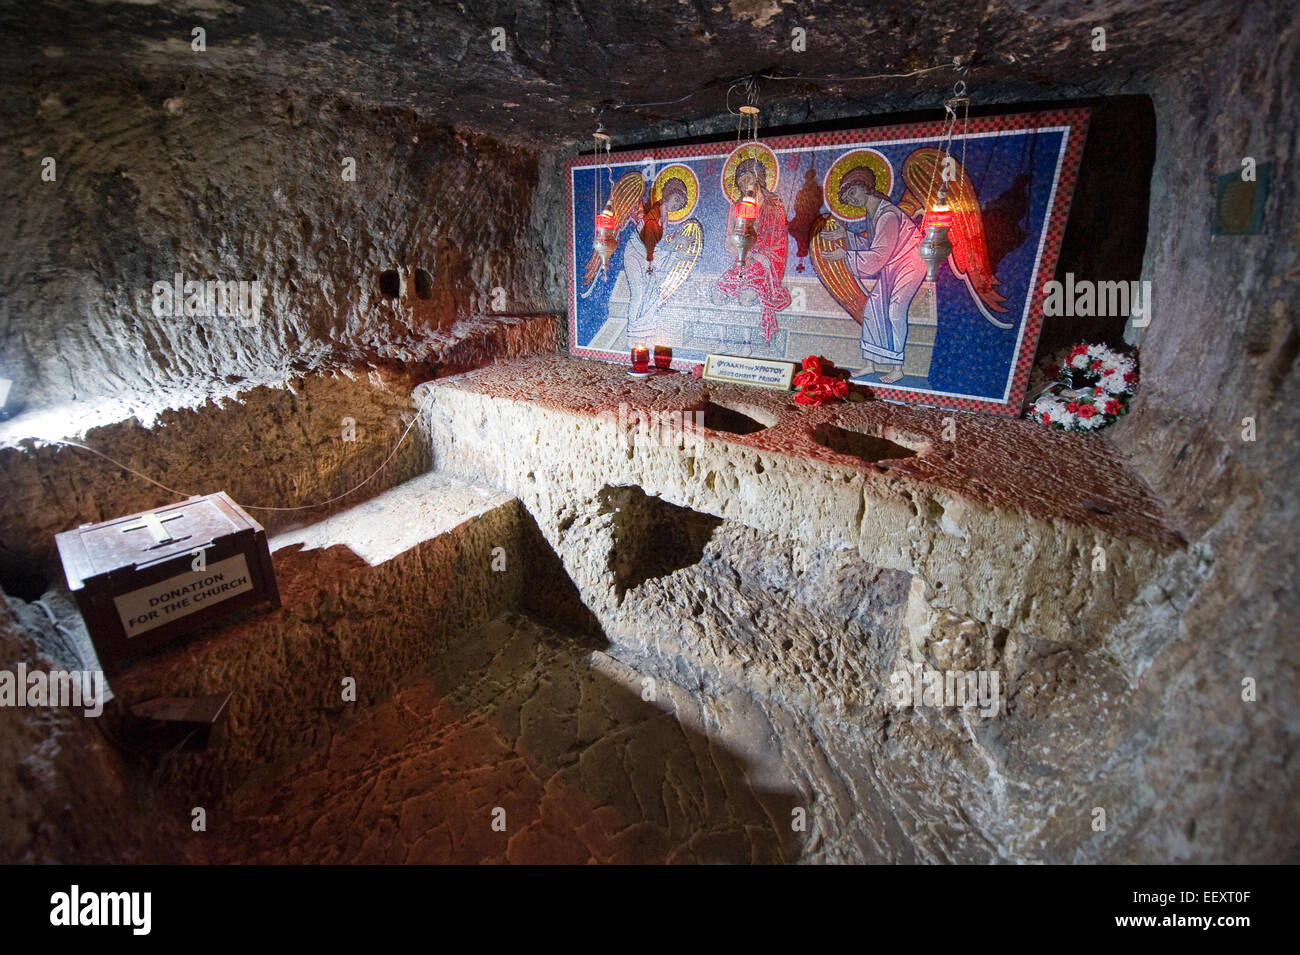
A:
(153, 579)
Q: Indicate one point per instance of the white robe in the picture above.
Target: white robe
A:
(887, 253)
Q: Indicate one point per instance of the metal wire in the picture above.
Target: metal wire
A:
(797, 78)
(255, 507)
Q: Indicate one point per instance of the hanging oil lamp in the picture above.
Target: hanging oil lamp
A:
(606, 238)
(743, 233)
(935, 246)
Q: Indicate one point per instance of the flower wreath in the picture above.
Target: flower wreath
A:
(1084, 388)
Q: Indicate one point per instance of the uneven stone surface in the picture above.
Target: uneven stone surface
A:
(1221, 348)
(1004, 521)
(703, 586)
(207, 178)
(560, 62)
(70, 796)
(555, 734)
(768, 584)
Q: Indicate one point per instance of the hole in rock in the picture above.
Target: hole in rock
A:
(423, 284)
(652, 538)
(858, 444)
(390, 283)
(719, 418)
(22, 578)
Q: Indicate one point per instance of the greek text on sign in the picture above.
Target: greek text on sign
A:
(142, 610)
(762, 372)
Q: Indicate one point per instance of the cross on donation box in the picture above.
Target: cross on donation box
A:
(151, 521)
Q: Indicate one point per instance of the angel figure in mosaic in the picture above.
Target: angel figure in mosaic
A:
(675, 193)
(865, 254)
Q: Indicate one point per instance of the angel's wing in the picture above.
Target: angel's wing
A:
(624, 200)
(685, 246)
(835, 273)
(970, 255)
(919, 176)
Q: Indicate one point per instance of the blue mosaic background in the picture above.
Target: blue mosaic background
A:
(971, 357)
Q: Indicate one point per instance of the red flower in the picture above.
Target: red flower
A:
(1112, 406)
(1095, 364)
(1131, 376)
(1086, 411)
(1078, 350)
(1072, 407)
(816, 387)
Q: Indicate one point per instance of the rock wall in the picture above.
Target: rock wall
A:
(1221, 348)
(217, 179)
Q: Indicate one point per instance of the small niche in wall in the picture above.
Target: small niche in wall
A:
(652, 538)
(390, 283)
(423, 281)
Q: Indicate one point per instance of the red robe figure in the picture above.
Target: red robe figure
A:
(764, 270)
(652, 228)
(807, 210)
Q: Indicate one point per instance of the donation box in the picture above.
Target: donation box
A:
(154, 579)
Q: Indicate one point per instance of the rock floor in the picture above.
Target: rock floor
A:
(543, 735)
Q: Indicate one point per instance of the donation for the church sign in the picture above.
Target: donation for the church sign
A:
(833, 268)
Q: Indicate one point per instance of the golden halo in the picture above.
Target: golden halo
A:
(740, 154)
(686, 176)
(874, 161)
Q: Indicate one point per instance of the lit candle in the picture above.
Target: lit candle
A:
(640, 359)
(663, 357)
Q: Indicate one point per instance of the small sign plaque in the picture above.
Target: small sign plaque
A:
(761, 372)
(142, 610)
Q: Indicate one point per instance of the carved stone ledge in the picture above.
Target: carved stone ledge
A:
(1008, 523)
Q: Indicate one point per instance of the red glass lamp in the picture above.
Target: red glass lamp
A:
(606, 240)
(743, 233)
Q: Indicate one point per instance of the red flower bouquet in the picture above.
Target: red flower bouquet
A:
(816, 387)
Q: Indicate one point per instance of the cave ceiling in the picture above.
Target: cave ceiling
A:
(565, 60)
